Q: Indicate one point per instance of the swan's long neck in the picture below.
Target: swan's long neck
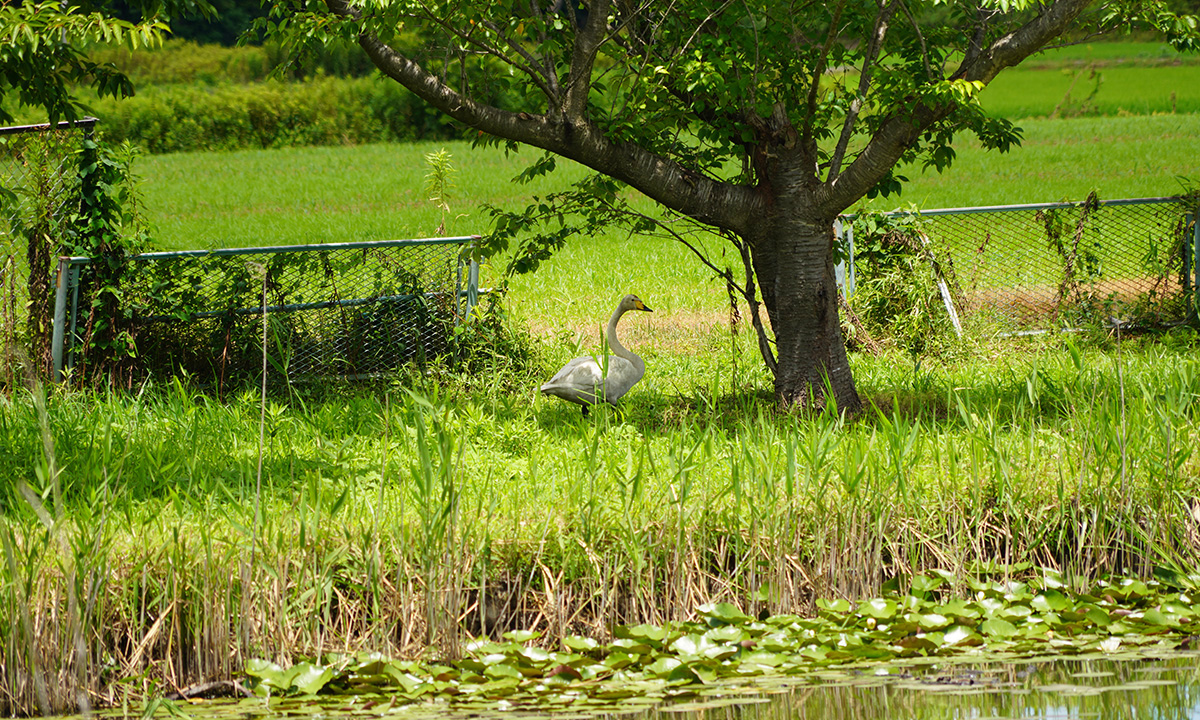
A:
(615, 345)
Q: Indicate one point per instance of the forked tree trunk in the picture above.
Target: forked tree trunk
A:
(793, 259)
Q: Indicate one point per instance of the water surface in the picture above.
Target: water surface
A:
(1164, 686)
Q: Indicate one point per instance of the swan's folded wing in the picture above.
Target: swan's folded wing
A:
(582, 373)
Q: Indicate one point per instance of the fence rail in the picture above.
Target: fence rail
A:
(1014, 268)
(345, 309)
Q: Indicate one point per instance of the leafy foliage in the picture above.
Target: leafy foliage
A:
(320, 111)
(110, 228)
(490, 347)
(41, 56)
(531, 236)
(178, 61)
(897, 293)
(439, 184)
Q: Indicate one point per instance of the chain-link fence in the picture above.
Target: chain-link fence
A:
(1031, 267)
(349, 310)
(39, 195)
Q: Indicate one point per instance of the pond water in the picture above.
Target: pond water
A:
(1063, 688)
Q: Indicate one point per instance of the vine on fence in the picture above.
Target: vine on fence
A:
(34, 209)
(897, 294)
(1081, 260)
(332, 311)
(1148, 291)
(110, 228)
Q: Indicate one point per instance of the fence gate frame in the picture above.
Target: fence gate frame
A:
(66, 338)
(844, 234)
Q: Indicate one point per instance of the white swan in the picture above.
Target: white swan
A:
(583, 380)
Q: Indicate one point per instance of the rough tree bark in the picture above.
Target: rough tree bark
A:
(792, 251)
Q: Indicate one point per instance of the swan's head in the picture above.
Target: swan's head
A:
(633, 302)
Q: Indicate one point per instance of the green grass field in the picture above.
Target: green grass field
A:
(1094, 90)
(1124, 157)
(333, 194)
(1098, 79)
(1138, 53)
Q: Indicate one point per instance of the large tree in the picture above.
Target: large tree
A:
(762, 120)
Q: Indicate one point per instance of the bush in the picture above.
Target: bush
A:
(185, 62)
(194, 97)
(897, 294)
(321, 111)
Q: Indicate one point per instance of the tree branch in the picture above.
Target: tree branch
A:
(898, 132)
(764, 343)
(752, 101)
(916, 26)
(550, 84)
(1022, 42)
(864, 84)
(814, 90)
(724, 204)
(975, 47)
(587, 43)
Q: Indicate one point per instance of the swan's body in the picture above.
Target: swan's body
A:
(588, 380)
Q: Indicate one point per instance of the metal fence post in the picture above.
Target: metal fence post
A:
(1195, 266)
(472, 287)
(73, 273)
(1189, 220)
(60, 318)
(66, 293)
(844, 270)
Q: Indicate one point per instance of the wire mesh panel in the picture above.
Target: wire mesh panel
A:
(39, 196)
(1024, 267)
(352, 309)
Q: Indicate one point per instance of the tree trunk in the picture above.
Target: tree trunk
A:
(793, 259)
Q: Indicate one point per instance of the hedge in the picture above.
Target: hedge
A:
(318, 111)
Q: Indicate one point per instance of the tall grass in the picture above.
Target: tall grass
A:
(405, 521)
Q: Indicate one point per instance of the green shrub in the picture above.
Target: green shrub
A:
(186, 62)
(193, 97)
(897, 294)
(321, 111)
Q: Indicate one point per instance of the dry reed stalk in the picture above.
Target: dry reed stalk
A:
(181, 632)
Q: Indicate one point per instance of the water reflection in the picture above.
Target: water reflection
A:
(1165, 687)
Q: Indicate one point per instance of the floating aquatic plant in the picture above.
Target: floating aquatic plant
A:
(1000, 618)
